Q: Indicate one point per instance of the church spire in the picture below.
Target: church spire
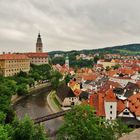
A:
(39, 44)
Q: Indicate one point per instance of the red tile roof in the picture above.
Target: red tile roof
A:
(77, 92)
(37, 54)
(134, 104)
(13, 56)
(110, 96)
(90, 76)
(120, 106)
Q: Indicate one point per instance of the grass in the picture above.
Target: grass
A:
(55, 100)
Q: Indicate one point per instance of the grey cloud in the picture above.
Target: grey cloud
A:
(68, 25)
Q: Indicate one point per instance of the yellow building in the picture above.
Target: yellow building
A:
(74, 85)
(107, 64)
(11, 64)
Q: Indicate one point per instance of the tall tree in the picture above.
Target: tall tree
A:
(81, 123)
(27, 130)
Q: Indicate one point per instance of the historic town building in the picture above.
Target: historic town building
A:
(39, 44)
(39, 57)
(11, 64)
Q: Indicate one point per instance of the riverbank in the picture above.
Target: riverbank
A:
(53, 103)
(15, 98)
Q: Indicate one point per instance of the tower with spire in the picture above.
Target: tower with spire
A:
(39, 44)
(67, 62)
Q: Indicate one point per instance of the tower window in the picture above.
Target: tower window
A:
(110, 112)
(111, 106)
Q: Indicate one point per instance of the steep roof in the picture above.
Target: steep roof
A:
(134, 104)
(64, 91)
(110, 96)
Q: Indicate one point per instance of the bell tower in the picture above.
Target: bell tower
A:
(39, 44)
(67, 62)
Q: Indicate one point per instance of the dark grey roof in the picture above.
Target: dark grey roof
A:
(84, 95)
(64, 91)
(118, 91)
(131, 86)
(128, 93)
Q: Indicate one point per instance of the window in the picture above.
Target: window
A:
(110, 118)
(111, 106)
(110, 112)
(125, 113)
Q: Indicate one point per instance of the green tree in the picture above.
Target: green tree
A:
(96, 58)
(68, 77)
(27, 130)
(2, 118)
(108, 68)
(55, 79)
(58, 60)
(116, 66)
(81, 123)
(22, 89)
(4, 134)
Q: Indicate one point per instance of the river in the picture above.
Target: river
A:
(36, 106)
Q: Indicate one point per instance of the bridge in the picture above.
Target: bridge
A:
(50, 116)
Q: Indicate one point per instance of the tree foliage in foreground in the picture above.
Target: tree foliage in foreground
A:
(27, 130)
(82, 124)
(21, 130)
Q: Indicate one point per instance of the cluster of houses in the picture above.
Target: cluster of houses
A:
(114, 93)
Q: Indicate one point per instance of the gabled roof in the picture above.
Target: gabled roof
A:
(120, 106)
(110, 96)
(64, 91)
(134, 104)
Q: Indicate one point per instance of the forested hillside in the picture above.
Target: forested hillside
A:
(130, 49)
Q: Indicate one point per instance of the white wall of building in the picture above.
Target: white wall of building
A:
(110, 110)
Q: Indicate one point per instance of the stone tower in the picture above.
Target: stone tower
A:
(67, 61)
(39, 44)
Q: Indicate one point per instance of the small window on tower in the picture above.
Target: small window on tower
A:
(111, 106)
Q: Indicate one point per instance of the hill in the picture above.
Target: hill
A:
(130, 49)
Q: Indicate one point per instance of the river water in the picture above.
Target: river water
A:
(36, 106)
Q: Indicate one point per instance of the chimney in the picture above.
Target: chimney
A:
(127, 104)
(111, 87)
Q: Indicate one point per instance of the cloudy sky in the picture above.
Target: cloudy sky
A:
(68, 24)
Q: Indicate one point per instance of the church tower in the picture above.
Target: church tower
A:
(67, 62)
(39, 44)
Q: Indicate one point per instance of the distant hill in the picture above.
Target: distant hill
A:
(130, 49)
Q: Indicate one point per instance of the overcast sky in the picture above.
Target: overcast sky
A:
(68, 24)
